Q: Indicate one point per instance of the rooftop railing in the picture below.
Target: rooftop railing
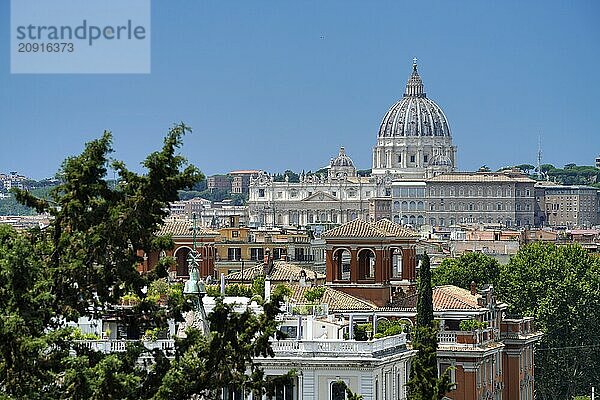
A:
(120, 345)
(479, 337)
(339, 348)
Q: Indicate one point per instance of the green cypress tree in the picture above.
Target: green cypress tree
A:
(425, 292)
(424, 383)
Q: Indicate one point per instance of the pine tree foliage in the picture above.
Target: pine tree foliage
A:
(84, 262)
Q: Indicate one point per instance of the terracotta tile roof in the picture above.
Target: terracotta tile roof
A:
(282, 272)
(445, 298)
(362, 229)
(336, 300)
(394, 229)
(480, 177)
(356, 228)
(182, 228)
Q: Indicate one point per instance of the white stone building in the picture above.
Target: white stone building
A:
(375, 369)
(339, 197)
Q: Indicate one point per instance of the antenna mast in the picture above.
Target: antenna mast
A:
(539, 157)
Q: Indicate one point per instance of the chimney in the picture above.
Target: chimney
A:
(473, 288)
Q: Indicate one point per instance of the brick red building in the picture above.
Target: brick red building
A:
(492, 360)
(371, 260)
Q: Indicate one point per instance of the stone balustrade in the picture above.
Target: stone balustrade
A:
(339, 348)
(478, 337)
(112, 346)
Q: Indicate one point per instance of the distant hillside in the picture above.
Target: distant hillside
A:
(10, 206)
(570, 174)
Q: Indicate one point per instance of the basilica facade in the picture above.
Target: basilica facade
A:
(338, 197)
(414, 162)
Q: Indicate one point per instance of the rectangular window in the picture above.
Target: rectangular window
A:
(425, 158)
(443, 366)
(412, 159)
(261, 192)
(257, 254)
(234, 253)
(283, 392)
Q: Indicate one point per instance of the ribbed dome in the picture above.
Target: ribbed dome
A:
(414, 114)
(342, 160)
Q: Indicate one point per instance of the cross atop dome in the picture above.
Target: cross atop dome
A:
(414, 86)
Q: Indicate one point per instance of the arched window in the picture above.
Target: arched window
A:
(420, 220)
(396, 205)
(366, 264)
(181, 255)
(341, 259)
(412, 206)
(405, 205)
(420, 206)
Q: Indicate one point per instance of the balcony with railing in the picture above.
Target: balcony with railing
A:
(466, 339)
(297, 348)
(375, 348)
(120, 345)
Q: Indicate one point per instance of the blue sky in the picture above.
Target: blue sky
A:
(282, 84)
